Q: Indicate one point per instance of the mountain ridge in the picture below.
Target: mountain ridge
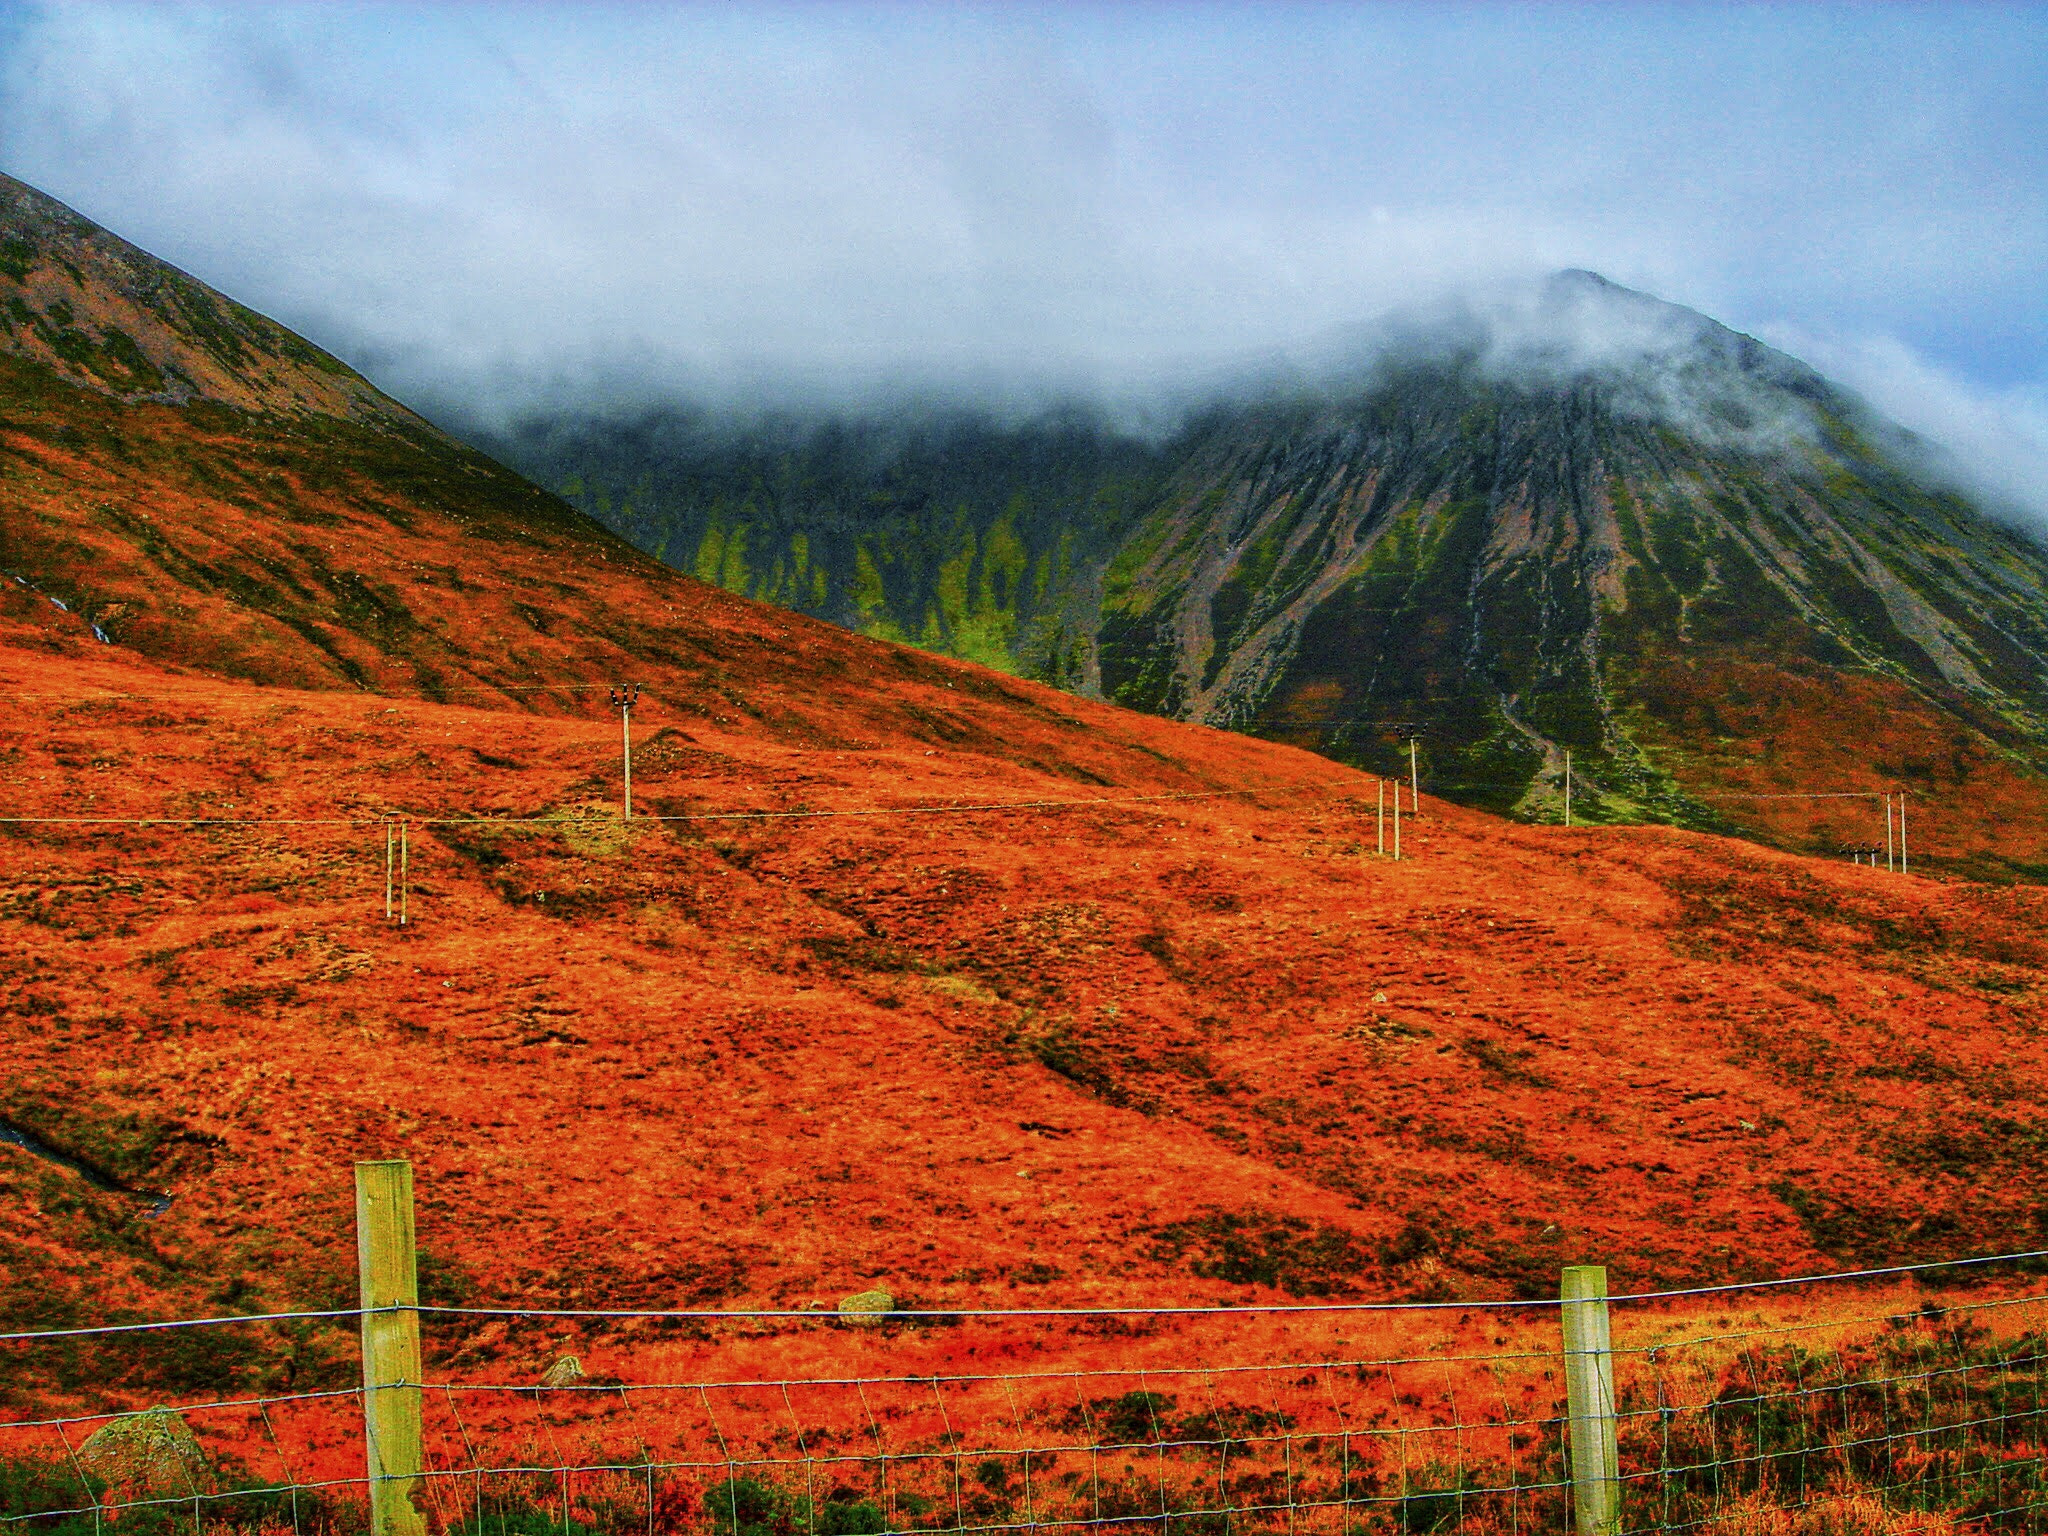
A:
(106, 315)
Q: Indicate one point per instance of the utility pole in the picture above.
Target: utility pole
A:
(624, 697)
(1383, 815)
(1890, 866)
(1567, 786)
(1412, 731)
(1904, 868)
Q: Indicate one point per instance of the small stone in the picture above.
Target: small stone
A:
(565, 1372)
(862, 1306)
(154, 1451)
(1379, 997)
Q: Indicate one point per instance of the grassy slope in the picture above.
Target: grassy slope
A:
(1206, 1048)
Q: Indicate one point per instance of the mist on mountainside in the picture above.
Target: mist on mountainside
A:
(1652, 359)
(701, 482)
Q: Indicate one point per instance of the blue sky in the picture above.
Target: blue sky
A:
(482, 204)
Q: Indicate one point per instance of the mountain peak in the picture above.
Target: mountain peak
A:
(108, 316)
(1568, 278)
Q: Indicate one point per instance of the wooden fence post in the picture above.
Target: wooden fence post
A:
(391, 1347)
(1589, 1396)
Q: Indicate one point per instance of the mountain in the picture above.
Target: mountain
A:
(189, 482)
(905, 970)
(1569, 519)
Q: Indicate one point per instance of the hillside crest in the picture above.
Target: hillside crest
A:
(108, 316)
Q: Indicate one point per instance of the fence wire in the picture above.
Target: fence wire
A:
(1875, 1417)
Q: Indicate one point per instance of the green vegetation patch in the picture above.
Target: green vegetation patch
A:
(1256, 1247)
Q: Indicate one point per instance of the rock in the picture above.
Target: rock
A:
(565, 1372)
(154, 1451)
(862, 1306)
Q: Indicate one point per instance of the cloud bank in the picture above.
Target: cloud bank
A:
(1995, 439)
(486, 207)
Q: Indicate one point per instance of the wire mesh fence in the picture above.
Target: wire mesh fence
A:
(1867, 1413)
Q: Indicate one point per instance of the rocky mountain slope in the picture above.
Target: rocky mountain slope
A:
(1574, 520)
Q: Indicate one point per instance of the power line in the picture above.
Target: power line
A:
(947, 1313)
(557, 821)
(1301, 1309)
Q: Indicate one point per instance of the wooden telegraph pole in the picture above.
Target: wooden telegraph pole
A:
(1413, 732)
(624, 697)
(391, 1347)
(1567, 786)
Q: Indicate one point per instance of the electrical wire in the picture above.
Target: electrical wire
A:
(1296, 1309)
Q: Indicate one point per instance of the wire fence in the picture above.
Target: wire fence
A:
(1842, 1404)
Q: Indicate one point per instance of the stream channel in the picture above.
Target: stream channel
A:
(156, 1202)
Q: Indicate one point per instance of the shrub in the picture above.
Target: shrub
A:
(28, 1487)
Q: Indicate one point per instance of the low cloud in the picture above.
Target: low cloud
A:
(1995, 441)
(492, 208)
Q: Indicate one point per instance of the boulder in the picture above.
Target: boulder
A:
(863, 1306)
(153, 1451)
(565, 1372)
